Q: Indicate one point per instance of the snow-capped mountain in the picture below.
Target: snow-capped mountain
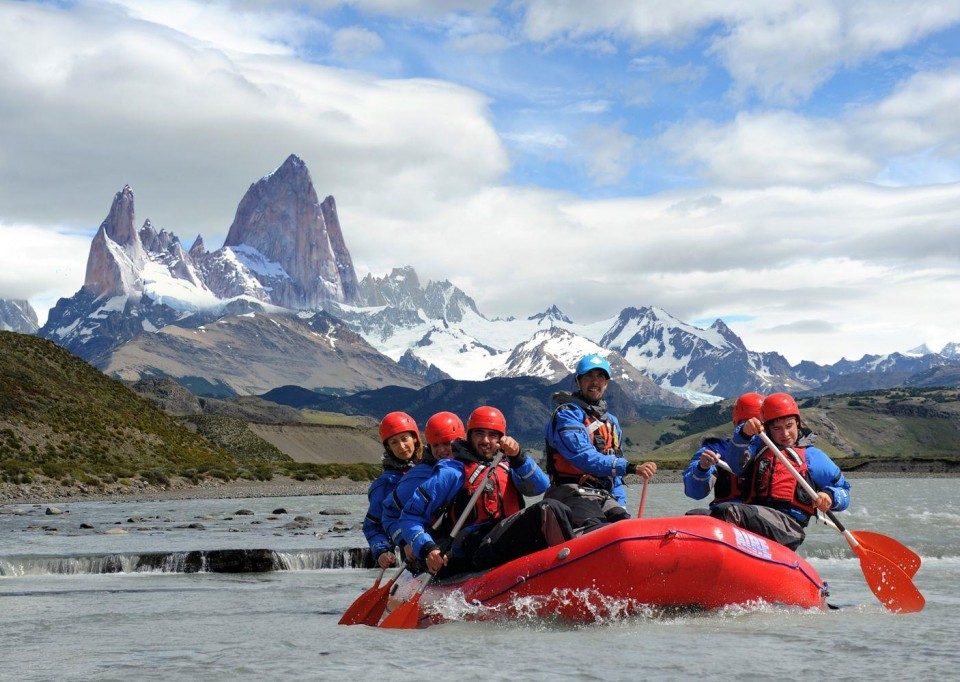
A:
(253, 352)
(18, 316)
(951, 351)
(144, 296)
(149, 306)
(553, 353)
(677, 355)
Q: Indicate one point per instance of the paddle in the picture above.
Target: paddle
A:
(369, 606)
(905, 558)
(643, 498)
(888, 582)
(407, 615)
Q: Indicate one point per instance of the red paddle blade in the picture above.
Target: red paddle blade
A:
(892, 586)
(370, 604)
(905, 558)
(404, 617)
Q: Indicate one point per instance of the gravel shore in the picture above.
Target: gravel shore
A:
(182, 489)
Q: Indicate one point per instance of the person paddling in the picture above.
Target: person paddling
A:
(443, 432)
(583, 451)
(500, 527)
(703, 472)
(775, 505)
(401, 450)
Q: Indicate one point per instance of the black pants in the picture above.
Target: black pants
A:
(590, 508)
(544, 524)
(765, 521)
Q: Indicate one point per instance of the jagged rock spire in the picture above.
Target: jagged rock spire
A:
(281, 217)
(116, 253)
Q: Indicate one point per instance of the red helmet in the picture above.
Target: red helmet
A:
(444, 427)
(486, 417)
(398, 422)
(778, 405)
(747, 407)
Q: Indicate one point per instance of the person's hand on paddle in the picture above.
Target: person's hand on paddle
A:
(708, 459)
(646, 470)
(436, 560)
(408, 552)
(386, 560)
(509, 446)
(823, 501)
(752, 427)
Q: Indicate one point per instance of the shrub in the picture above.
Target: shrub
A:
(155, 477)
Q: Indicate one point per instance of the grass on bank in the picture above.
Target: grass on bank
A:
(63, 421)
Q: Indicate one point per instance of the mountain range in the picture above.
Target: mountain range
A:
(18, 316)
(279, 303)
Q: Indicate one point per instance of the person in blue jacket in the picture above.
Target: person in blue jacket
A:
(703, 473)
(499, 527)
(401, 450)
(774, 504)
(583, 450)
(443, 431)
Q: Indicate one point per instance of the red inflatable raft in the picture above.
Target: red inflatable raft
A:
(687, 562)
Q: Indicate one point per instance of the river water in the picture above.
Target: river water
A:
(84, 604)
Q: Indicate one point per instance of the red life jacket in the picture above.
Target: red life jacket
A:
(770, 484)
(499, 499)
(602, 436)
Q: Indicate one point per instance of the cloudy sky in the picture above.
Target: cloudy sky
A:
(790, 167)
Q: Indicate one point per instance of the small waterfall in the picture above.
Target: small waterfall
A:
(198, 561)
(318, 559)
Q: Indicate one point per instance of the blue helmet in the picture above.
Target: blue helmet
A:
(593, 361)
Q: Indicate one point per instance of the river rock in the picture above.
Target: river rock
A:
(53, 511)
(298, 523)
(334, 512)
(86, 526)
(115, 531)
(279, 510)
(243, 512)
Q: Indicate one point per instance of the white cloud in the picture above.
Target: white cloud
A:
(911, 136)
(609, 153)
(189, 127)
(781, 50)
(482, 43)
(191, 120)
(41, 264)
(355, 42)
(770, 147)
(869, 267)
(921, 113)
(229, 26)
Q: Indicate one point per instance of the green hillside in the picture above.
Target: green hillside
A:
(64, 422)
(907, 425)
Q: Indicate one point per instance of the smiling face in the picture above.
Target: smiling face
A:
(402, 445)
(485, 442)
(784, 431)
(593, 384)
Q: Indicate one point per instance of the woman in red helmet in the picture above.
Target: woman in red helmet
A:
(401, 450)
(703, 474)
(445, 433)
(499, 528)
(775, 505)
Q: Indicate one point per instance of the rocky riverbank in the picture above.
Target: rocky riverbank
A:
(279, 486)
(179, 489)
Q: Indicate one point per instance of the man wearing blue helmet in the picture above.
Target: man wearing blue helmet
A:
(584, 457)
